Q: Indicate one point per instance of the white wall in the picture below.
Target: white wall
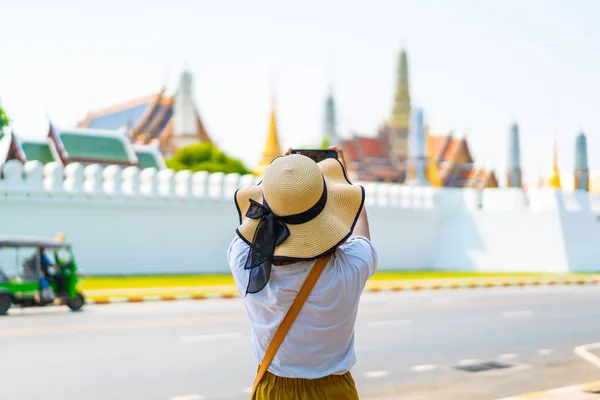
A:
(130, 221)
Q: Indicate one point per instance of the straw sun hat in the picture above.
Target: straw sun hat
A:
(301, 210)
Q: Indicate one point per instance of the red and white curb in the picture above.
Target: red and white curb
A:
(474, 285)
(372, 289)
(141, 299)
(555, 393)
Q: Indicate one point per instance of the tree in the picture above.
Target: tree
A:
(324, 144)
(4, 121)
(205, 157)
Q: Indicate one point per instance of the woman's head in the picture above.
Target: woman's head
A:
(301, 211)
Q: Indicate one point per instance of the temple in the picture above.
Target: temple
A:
(272, 147)
(330, 124)
(166, 121)
(514, 177)
(554, 180)
(83, 146)
(403, 151)
(581, 173)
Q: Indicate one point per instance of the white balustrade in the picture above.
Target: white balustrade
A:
(92, 179)
(166, 182)
(183, 184)
(34, 177)
(247, 181)
(112, 181)
(53, 177)
(200, 184)
(231, 183)
(130, 184)
(215, 185)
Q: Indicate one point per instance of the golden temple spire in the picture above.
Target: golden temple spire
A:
(402, 108)
(554, 181)
(272, 147)
(431, 172)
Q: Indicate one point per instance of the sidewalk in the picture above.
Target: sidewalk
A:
(585, 391)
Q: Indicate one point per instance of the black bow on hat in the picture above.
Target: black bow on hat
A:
(271, 232)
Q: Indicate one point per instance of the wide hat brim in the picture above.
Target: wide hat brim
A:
(326, 231)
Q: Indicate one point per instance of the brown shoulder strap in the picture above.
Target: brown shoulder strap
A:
(289, 318)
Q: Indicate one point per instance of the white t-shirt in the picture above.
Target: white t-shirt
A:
(321, 339)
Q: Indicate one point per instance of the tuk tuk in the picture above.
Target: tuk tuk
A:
(35, 272)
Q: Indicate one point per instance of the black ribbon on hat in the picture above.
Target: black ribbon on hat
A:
(271, 232)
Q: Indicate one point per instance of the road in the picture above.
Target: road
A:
(407, 344)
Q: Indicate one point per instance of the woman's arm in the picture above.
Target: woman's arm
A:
(362, 224)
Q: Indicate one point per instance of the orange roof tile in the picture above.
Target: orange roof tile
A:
(371, 147)
(350, 150)
(438, 143)
(451, 149)
(383, 173)
(466, 173)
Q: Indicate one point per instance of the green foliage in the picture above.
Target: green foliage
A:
(205, 157)
(325, 144)
(4, 121)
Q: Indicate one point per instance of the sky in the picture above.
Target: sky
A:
(475, 66)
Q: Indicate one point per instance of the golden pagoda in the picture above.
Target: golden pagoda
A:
(554, 181)
(272, 147)
(431, 172)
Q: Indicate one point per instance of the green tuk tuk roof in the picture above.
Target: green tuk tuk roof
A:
(31, 241)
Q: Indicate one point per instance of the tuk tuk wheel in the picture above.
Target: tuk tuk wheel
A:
(76, 303)
(5, 303)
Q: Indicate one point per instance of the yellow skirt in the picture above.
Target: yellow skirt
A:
(335, 387)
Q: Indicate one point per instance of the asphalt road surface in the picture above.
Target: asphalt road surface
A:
(408, 347)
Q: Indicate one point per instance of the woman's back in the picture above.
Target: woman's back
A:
(321, 340)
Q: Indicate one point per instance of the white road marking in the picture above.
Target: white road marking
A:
(517, 314)
(376, 374)
(152, 298)
(566, 389)
(398, 322)
(188, 397)
(584, 352)
(117, 299)
(210, 338)
(468, 361)
(508, 356)
(545, 352)
(423, 368)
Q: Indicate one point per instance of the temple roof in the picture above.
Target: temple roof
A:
(369, 159)
(10, 149)
(149, 156)
(38, 151)
(153, 119)
(127, 114)
(86, 146)
(93, 146)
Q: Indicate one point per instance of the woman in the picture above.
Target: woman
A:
(304, 222)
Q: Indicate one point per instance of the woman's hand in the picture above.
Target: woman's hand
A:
(340, 155)
(288, 152)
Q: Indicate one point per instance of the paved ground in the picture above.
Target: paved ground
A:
(407, 347)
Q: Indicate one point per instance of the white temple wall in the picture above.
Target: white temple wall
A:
(126, 221)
